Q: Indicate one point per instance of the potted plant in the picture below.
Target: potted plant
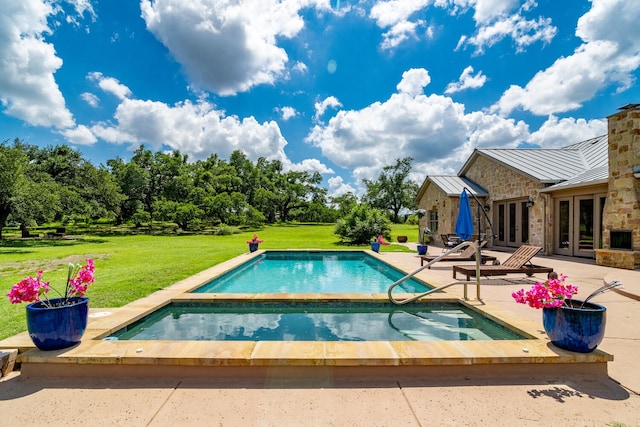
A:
(424, 238)
(253, 243)
(570, 324)
(56, 323)
(375, 245)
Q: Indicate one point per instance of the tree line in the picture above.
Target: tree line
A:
(56, 184)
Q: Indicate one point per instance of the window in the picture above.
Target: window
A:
(433, 221)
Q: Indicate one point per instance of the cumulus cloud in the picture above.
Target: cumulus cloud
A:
(198, 130)
(556, 133)
(467, 81)
(321, 107)
(287, 113)
(227, 47)
(414, 81)
(337, 187)
(90, 99)
(433, 130)
(610, 53)
(524, 33)
(110, 85)
(28, 90)
(395, 15)
(79, 135)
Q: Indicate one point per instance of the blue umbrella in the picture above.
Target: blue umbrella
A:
(464, 223)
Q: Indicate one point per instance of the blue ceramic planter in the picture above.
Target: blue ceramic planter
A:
(253, 247)
(422, 249)
(57, 327)
(573, 328)
(375, 246)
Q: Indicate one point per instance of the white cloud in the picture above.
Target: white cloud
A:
(488, 10)
(198, 130)
(227, 47)
(110, 85)
(287, 113)
(395, 15)
(337, 187)
(28, 90)
(556, 133)
(609, 55)
(79, 135)
(321, 107)
(524, 33)
(414, 81)
(433, 130)
(90, 99)
(467, 81)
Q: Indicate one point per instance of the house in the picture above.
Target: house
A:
(582, 200)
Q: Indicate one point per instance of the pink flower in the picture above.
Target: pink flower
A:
(548, 294)
(382, 241)
(255, 240)
(32, 289)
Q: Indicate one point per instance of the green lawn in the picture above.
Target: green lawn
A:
(129, 267)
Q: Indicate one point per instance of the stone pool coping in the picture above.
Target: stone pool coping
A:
(96, 357)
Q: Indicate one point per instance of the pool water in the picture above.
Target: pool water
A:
(312, 272)
(313, 321)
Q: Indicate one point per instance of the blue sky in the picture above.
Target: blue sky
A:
(339, 87)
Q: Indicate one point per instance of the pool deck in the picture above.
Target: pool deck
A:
(358, 384)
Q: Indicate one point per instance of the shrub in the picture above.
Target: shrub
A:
(362, 224)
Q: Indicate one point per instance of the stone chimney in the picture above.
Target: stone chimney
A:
(621, 216)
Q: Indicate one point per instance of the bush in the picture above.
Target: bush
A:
(363, 224)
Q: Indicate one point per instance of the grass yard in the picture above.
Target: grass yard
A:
(129, 267)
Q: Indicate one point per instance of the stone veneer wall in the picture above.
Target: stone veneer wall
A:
(435, 199)
(503, 184)
(622, 208)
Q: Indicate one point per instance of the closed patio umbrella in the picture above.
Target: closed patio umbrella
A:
(464, 223)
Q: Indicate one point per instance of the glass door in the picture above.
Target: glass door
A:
(512, 223)
(562, 230)
(584, 226)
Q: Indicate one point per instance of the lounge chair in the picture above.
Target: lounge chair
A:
(518, 262)
(468, 254)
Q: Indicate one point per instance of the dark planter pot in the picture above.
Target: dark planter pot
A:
(422, 249)
(375, 247)
(253, 247)
(573, 328)
(402, 239)
(57, 327)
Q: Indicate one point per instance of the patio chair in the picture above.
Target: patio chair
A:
(518, 262)
(468, 254)
(448, 242)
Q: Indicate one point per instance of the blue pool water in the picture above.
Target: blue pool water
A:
(314, 321)
(312, 272)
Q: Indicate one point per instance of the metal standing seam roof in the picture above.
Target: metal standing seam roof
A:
(453, 185)
(551, 166)
(598, 175)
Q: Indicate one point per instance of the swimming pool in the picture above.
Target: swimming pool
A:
(313, 321)
(312, 272)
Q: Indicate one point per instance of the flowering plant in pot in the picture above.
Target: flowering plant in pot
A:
(253, 243)
(375, 245)
(570, 324)
(424, 238)
(60, 322)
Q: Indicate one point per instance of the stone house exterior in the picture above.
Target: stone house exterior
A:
(582, 200)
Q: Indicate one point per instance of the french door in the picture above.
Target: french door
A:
(578, 225)
(512, 223)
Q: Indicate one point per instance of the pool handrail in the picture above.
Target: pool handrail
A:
(439, 288)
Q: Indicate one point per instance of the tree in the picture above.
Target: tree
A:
(13, 160)
(392, 191)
